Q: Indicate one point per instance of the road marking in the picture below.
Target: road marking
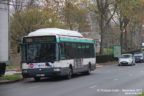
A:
(108, 71)
(142, 71)
(130, 74)
(119, 69)
(34, 87)
(94, 86)
(116, 79)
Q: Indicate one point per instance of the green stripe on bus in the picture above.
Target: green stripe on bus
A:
(57, 40)
(72, 40)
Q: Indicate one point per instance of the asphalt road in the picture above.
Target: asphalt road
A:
(109, 80)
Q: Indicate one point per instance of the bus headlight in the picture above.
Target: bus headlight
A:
(25, 66)
(24, 71)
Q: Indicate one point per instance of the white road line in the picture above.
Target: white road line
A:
(94, 86)
(119, 69)
(34, 87)
(141, 71)
(130, 74)
(108, 71)
(116, 79)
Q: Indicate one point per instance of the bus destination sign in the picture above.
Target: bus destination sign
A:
(39, 39)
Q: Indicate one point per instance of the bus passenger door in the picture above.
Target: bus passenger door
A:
(78, 63)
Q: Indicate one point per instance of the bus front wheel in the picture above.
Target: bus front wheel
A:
(37, 78)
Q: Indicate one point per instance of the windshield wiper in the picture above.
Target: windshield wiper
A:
(50, 58)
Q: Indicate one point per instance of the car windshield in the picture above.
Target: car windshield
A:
(126, 56)
(39, 52)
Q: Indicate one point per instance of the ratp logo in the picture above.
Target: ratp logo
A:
(31, 65)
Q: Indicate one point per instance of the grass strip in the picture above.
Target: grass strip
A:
(141, 94)
(13, 66)
(12, 77)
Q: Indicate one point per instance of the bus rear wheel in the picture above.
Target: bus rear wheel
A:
(88, 70)
(69, 75)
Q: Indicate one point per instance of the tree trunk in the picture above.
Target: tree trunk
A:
(121, 39)
(102, 35)
(126, 41)
(102, 43)
(140, 35)
(131, 40)
(70, 26)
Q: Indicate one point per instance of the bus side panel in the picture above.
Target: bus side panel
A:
(63, 65)
(77, 67)
(91, 61)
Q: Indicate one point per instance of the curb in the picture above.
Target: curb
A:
(11, 81)
(99, 66)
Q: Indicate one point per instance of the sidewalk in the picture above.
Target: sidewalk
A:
(11, 73)
(99, 65)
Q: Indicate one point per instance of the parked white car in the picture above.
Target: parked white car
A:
(126, 59)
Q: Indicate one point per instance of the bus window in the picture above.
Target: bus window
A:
(83, 50)
(68, 47)
(62, 48)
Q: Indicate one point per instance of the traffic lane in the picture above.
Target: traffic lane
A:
(31, 87)
(124, 80)
(44, 87)
(108, 77)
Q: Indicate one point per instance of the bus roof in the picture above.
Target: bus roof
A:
(54, 31)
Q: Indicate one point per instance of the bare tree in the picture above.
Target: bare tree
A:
(106, 10)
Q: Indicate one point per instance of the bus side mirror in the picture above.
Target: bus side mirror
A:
(18, 48)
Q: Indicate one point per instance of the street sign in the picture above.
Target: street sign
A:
(117, 51)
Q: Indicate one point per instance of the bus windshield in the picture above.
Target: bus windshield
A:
(40, 52)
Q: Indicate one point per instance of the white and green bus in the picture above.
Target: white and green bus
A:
(56, 52)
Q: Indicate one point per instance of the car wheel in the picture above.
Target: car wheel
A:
(89, 70)
(134, 64)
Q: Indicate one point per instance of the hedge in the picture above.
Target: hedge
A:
(105, 58)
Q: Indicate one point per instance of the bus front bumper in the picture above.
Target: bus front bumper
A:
(44, 72)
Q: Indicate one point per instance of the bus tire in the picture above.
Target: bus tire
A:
(89, 70)
(37, 78)
(69, 75)
(2, 69)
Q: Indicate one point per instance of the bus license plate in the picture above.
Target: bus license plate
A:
(40, 75)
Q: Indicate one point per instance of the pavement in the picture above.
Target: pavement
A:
(99, 65)
(109, 80)
(11, 71)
